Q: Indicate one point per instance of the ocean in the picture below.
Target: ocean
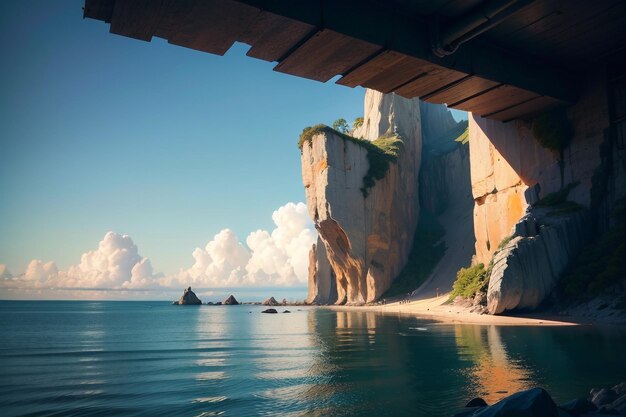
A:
(93, 358)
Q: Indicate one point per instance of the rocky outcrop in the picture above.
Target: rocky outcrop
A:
(527, 268)
(188, 298)
(367, 237)
(230, 301)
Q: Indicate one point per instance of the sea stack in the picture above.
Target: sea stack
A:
(231, 301)
(188, 298)
(270, 302)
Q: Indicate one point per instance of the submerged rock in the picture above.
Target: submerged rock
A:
(270, 311)
(231, 301)
(270, 302)
(188, 298)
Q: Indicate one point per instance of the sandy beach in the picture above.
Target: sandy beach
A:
(435, 308)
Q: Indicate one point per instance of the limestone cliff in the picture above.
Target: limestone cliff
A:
(322, 280)
(510, 173)
(367, 236)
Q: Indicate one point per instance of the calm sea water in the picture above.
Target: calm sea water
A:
(150, 358)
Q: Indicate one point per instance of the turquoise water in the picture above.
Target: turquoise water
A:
(150, 358)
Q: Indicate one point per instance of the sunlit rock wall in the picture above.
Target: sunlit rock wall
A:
(367, 239)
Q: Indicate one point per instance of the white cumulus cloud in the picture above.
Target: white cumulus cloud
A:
(115, 264)
(276, 258)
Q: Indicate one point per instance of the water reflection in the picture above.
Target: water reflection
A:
(493, 374)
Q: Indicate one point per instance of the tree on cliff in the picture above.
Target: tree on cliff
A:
(341, 125)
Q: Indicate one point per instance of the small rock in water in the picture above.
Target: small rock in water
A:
(188, 298)
(270, 311)
(286, 311)
(477, 402)
(231, 301)
(270, 302)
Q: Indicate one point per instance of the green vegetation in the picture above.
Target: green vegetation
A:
(601, 263)
(428, 249)
(463, 138)
(553, 130)
(358, 122)
(504, 242)
(380, 152)
(341, 125)
(470, 280)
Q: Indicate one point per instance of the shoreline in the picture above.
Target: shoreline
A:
(434, 308)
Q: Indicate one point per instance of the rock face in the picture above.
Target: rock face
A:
(526, 270)
(231, 301)
(367, 239)
(188, 298)
(510, 171)
(322, 280)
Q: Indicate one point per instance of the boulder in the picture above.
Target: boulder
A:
(270, 311)
(527, 268)
(270, 302)
(619, 405)
(620, 389)
(286, 311)
(188, 298)
(531, 403)
(231, 301)
(604, 397)
(578, 406)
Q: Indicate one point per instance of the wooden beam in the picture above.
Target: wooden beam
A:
(396, 30)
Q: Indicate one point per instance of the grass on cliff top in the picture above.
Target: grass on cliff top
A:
(427, 251)
(380, 152)
(601, 263)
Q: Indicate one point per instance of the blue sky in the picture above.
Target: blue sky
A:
(168, 145)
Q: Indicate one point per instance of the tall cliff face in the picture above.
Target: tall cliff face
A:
(367, 238)
(510, 172)
(510, 169)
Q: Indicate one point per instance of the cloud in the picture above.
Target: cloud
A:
(276, 258)
(115, 264)
(279, 258)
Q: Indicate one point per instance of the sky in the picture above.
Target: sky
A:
(118, 154)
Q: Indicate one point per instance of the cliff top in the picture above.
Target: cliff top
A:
(380, 152)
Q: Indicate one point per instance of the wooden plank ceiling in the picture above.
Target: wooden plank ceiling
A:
(320, 53)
